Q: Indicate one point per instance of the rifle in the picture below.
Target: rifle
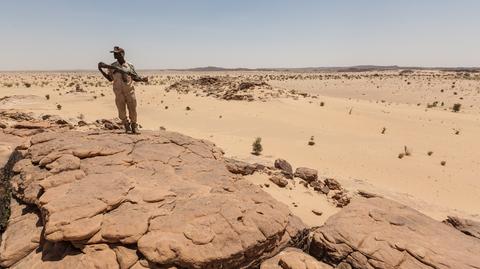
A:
(124, 71)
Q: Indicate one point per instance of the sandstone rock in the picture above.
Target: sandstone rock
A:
(21, 236)
(367, 194)
(320, 187)
(285, 167)
(126, 257)
(292, 258)
(163, 195)
(242, 168)
(333, 184)
(63, 255)
(16, 115)
(340, 198)
(306, 174)
(8, 157)
(31, 125)
(279, 180)
(380, 233)
(317, 212)
(466, 226)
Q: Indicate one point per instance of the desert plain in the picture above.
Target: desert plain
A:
(408, 135)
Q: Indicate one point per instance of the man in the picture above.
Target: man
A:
(123, 74)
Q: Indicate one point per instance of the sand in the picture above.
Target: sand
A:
(347, 129)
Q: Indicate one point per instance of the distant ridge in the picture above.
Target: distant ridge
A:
(357, 68)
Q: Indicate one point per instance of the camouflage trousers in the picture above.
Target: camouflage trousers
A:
(125, 99)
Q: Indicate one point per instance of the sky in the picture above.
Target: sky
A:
(72, 35)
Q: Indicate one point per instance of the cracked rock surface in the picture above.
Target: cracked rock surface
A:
(380, 233)
(293, 258)
(159, 199)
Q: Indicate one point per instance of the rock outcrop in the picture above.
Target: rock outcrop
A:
(380, 233)
(231, 88)
(157, 199)
(292, 258)
(242, 168)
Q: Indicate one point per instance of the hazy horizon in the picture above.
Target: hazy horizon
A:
(157, 35)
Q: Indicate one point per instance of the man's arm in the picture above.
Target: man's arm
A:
(105, 75)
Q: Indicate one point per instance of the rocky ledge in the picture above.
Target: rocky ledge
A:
(107, 200)
(103, 199)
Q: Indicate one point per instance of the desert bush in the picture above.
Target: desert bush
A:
(257, 147)
(456, 107)
(311, 142)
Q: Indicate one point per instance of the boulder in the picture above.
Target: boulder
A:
(332, 184)
(279, 180)
(242, 168)
(380, 233)
(293, 258)
(285, 167)
(154, 199)
(466, 226)
(320, 187)
(306, 174)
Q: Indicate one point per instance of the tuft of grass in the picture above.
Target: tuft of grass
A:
(443, 163)
(430, 153)
(59, 106)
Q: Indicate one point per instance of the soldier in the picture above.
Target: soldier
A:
(122, 73)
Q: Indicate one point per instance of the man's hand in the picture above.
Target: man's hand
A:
(105, 75)
(145, 79)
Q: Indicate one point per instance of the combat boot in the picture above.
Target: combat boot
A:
(134, 128)
(127, 128)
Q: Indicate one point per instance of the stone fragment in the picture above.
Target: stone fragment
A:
(306, 174)
(279, 180)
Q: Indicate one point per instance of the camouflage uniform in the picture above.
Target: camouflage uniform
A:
(124, 92)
